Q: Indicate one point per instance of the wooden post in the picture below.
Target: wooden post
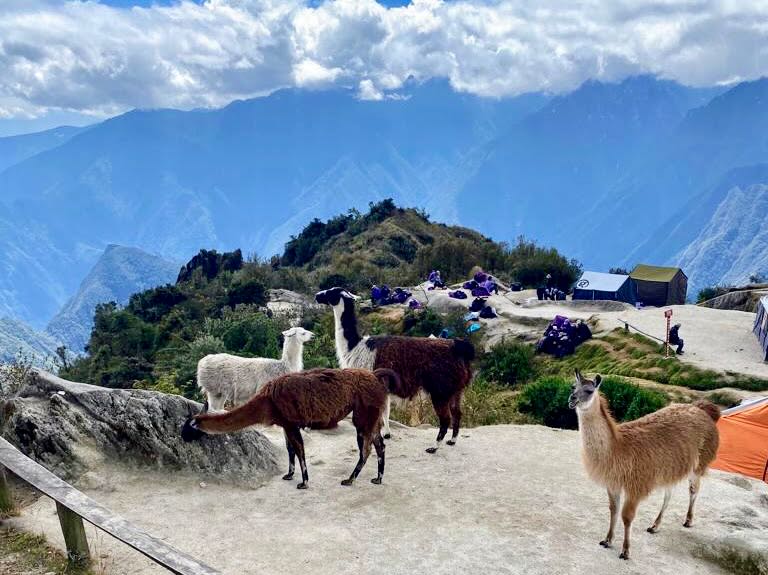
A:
(78, 553)
(6, 500)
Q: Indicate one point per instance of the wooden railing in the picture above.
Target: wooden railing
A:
(73, 506)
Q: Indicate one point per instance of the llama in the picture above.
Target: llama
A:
(439, 366)
(318, 399)
(657, 450)
(229, 378)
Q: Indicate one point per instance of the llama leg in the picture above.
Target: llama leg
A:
(693, 489)
(364, 446)
(385, 418)
(614, 500)
(444, 415)
(455, 418)
(378, 443)
(291, 457)
(627, 516)
(294, 436)
(655, 527)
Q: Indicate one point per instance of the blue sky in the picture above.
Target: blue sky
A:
(79, 62)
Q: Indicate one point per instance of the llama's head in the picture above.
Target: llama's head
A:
(335, 296)
(298, 334)
(190, 431)
(584, 392)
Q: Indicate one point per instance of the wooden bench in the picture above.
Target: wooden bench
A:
(73, 506)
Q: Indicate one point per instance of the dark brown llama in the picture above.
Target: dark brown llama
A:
(441, 367)
(318, 399)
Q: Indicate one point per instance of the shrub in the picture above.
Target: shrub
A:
(509, 363)
(248, 292)
(335, 280)
(711, 292)
(629, 401)
(546, 399)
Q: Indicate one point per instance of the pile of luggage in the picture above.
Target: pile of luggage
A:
(481, 285)
(551, 293)
(382, 295)
(563, 336)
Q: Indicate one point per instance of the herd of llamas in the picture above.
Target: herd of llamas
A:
(630, 459)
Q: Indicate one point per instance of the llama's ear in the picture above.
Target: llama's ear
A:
(577, 373)
(353, 296)
(598, 380)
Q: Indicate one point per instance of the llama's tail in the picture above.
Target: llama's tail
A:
(235, 420)
(464, 350)
(709, 408)
(390, 378)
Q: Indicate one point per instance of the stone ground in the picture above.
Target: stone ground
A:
(506, 499)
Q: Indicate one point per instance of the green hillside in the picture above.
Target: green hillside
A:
(216, 304)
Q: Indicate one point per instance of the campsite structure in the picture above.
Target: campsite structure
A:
(761, 325)
(659, 286)
(602, 286)
(744, 440)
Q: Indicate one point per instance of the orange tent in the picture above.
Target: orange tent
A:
(744, 440)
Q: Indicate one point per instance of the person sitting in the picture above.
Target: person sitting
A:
(436, 280)
(675, 339)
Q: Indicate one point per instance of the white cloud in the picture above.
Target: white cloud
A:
(367, 91)
(91, 58)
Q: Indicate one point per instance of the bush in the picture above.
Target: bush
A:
(629, 401)
(509, 363)
(248, 292)
(547, 400)
(712, 292)
(335, 280)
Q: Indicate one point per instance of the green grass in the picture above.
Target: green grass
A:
(33, 554)
(633, 355)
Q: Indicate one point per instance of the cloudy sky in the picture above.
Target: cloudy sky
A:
(65, 61)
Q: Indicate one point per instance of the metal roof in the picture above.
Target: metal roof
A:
(601, 282)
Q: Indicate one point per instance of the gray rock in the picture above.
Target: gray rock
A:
(71, 428)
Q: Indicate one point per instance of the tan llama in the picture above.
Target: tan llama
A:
(658, 450)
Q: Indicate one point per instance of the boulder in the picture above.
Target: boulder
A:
(73, 428)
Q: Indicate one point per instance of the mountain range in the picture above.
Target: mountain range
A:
(611, 173)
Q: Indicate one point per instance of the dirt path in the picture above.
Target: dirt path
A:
(720, 340)
(506, 499)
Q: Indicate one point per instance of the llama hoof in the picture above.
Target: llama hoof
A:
(624, 555)
(688, 524)
(347, 482)
(387, 436)
(605, 543)
(451, 442)
(302, 485)
(288, 476)
(431, 449)
(376, 480)
(652, 530)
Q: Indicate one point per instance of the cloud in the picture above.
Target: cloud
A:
(92, 58)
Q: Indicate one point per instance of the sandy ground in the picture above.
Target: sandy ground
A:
(506, 499)
(721, 340)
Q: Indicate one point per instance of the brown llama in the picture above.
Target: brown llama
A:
(318, 399)
(441, 367)
(657, 450)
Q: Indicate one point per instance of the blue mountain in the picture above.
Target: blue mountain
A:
(247, 175)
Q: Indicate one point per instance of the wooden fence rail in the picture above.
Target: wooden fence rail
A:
(73, 506)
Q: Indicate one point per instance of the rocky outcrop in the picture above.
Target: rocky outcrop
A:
(738, 299)
(73, 428)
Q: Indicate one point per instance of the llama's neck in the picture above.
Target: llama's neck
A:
(347, 336)
(293, 354)
(258, 410)
(599, 435)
